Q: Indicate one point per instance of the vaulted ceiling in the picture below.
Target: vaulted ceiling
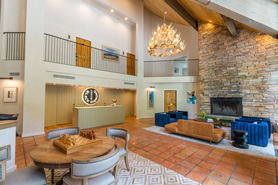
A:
(211, 13)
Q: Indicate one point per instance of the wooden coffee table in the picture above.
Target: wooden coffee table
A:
(215, 122)
(49, 156)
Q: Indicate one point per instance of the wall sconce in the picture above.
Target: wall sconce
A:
(152, 87)
(6, 78)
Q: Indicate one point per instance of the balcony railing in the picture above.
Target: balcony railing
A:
(14, 46)
(163, 68)
(63, 51)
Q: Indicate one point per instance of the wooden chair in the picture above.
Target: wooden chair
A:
(124, 134)
(96, 171)
(53, 134)
(31, 175)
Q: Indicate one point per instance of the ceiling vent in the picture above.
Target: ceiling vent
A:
(129, 83)
(64, 76)
(14, 74)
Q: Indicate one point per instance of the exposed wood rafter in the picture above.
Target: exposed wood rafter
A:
(230, 23)
(174, 4)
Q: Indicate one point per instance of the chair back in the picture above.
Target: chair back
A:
(84, 169)
(53, 134)
(5, 154)
(118, 132)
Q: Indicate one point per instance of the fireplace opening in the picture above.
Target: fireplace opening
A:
(226, 106)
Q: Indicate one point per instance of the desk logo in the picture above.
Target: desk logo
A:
(90, 96)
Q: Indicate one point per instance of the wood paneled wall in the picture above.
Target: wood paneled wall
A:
(59, 101)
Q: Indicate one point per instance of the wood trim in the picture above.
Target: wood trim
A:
(7, 124)
(174, 4)
(230, 23)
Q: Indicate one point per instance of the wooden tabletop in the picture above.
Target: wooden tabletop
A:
(49, 156)
(7, 124)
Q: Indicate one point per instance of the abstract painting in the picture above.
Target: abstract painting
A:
(10, 95)
(150, 99)
(191, 97)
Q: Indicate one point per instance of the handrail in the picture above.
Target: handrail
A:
(63, 51)
(15, 45)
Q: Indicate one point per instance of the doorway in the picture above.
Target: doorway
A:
(130, 64)
(170, 100)
(83, 53)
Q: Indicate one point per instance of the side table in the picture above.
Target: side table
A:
(240, 139)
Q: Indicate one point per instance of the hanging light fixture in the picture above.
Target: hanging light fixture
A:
(165, 41)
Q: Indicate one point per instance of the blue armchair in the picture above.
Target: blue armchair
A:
(162, 119)
(251, 119)
(258, 134)
(180, 114)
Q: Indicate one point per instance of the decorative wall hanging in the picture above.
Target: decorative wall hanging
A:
(110, 54)
(177, 70)
(90, 96)
(150, 101)
(191, 97)
(10, 95)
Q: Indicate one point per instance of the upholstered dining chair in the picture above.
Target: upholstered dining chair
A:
(31, 175)
(124, 134)
(96, 171)
(53, 134)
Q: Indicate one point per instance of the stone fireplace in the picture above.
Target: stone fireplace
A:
(226, 106)
(245, 66)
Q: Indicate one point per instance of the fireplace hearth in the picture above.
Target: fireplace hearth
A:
(226, 106)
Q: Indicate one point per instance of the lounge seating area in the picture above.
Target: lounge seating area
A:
(196, 129)
(139, 92)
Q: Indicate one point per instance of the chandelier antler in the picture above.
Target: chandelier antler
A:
(165, 42)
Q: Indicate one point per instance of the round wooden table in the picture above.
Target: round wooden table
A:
(49, 156)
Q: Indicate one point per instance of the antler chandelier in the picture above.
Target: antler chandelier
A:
(165, 42)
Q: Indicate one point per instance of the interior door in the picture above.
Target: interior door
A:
(170, 100)
(83, 53)
(130, 64)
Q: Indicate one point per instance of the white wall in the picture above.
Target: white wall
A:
(182, 104)
(80, 19)
(15, 15)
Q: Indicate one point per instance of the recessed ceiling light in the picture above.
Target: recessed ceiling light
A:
(126, 18)
(210, 21)
(112, 10)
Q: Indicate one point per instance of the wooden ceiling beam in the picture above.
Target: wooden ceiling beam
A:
(231, 25)
(175, 5)
(261, 15)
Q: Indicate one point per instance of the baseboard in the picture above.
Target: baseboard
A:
(144, 117)
(33, 134)
(11, 169)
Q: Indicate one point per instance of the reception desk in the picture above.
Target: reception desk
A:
(96, 116)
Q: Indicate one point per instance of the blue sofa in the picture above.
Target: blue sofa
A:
(251, 119)
(180, 114)
(162, 118)
(258, 134)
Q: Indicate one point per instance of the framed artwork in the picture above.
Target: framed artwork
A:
(177, 70)
(150, 101)
(191, 97)
(110, 54)
(10, 95)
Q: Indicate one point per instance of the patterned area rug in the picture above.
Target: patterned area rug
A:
(267, 153)
(142, 172)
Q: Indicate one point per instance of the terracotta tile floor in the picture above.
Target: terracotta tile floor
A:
(202, 163)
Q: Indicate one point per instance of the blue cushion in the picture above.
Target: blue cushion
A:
(172, 120)
(259, 120)
(185, 117)
(258, 134)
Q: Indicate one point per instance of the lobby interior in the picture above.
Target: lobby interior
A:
(88, 64)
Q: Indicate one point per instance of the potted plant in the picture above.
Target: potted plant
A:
(114, 101)
(203, 115)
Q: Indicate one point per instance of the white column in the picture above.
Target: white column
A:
(34, 77)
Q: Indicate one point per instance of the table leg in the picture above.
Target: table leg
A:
(60, 182)
(52, 176)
